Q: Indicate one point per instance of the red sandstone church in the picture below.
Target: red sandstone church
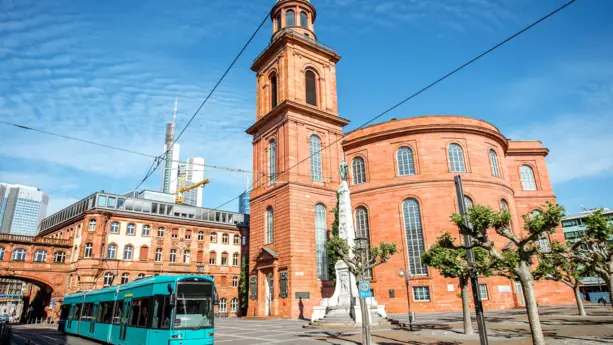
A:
(401, 176)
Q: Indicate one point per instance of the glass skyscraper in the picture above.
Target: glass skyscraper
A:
(22, 209)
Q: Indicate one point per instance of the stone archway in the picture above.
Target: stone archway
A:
(41, 297)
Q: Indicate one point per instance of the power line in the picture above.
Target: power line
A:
(217, 167)
(506, 40)
(207, 97)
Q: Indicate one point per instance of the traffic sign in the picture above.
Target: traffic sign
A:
(364, 288)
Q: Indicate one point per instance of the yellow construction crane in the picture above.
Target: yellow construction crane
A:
(182, 189)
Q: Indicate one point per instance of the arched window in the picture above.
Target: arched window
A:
(362, 230)
(456, 158)
(131, 229)
(146, 230)
(311, 87)
(225, 239)
(128, 251)
(526, 175)
(414, 236)
(315, 145)
(2, 251)
(237, 239)
(272, 160)
(278, 22)
(108, 279)
(201, 236)
(224, 259)
(304, 20)
(125, 278)
(212, 258)
(160, 232)
(92, 225)
(321, 237)
(186, 256)
(269, 225)
(290, 18)
(468, 202)
(158, 254)
(223, 305)
(406, 161)
(358, 170)
(173, 255)
(235, 260)
(111, 251)
(87, 252)
(213, 237)
(40, 256)
(19, 255)
(114, 228)
(59, 257)
(494, 163)
(504, 205)
(234, 305)
(235, 281)
(273, 91)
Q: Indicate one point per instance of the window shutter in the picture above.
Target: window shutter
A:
(200, 256)
(144, 253)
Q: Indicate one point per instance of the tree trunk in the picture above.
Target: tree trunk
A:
(468, 325)
(610, 286)
(527, 284)
(579, 300)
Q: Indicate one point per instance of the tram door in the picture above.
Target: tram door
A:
(92, 324)
(70, 317)
(125, 317)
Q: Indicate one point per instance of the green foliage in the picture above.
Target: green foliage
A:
(596, 248)
(561, 264)
(598, 227)
(332, 256)
(243, 287)
(373, 257)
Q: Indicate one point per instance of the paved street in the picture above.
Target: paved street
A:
(560, 324)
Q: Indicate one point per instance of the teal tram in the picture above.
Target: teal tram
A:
(169, 310)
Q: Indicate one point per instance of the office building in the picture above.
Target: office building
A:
(23, 209)
(192, 172)
(170, 166)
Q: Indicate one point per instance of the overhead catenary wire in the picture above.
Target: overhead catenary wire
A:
(420, 91)
(217, 167)
(207, 97)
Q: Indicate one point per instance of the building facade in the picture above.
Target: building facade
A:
(573, 226)
(23, 207)
(402, 185)
(192, 172)
(117, 239)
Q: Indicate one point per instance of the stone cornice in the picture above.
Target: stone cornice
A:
(536, 151)
(434, 181)
(303, 109)
(356, 140)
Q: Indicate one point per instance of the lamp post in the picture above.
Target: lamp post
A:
(406, 276)
(362, 249)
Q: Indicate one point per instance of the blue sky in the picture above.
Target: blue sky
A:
(109, 71)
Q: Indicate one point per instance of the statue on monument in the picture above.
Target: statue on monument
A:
(344, 171)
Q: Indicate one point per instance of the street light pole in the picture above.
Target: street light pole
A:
(404, 275)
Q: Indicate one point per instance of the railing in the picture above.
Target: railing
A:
(35, 240)
(288, 31)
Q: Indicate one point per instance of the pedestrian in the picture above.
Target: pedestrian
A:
(602, 300)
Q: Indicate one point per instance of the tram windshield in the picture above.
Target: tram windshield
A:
(194, 309)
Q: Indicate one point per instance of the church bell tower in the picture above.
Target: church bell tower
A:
(296, 156)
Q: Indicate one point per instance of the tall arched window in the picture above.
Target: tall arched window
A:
(272, 161)
(273, 91)
(235, 259)
(315, 144)
(468, 202)
(406, 161)
(494, 163)
(456, 158)
(234, 305)
(311, 87)
(358, 170)
(223, 305)
(19, 255)
(173, 255)
(131, 229)
(278, 22)
(290, 18)
(526, 175)
(187, 256)
(269, 225)
(125, 278)
(87, 252)
(362, 230)
(415, 236)
(40, 256)
(504, 205)
(158, 254)
(111, 251)
(128, 251)
(321, 236)
(304, 20)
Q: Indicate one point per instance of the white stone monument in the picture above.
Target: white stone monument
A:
(339, 307)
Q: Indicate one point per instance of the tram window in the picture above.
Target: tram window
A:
(165, 318)
(77, 312)
(65, 311)
(105, 311)
(134, 315)
(87, 312)
(143, 319)
(158, 302)
(117, 314)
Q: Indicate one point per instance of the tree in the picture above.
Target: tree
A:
(243, 287)
(517, 258)
(597, 252)
(332, 257)
(453, 263)
(563, 265)
(360, 260)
